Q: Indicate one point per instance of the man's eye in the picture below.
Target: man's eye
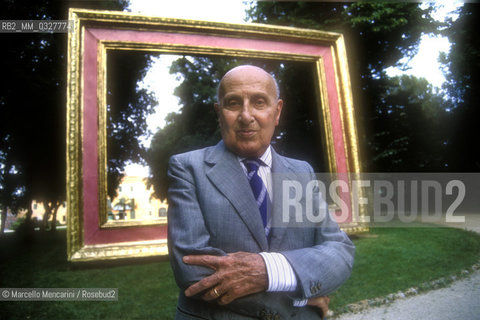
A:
(260, 103)
(233, 104)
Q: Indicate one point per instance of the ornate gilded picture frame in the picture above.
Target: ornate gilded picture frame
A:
(90, 234)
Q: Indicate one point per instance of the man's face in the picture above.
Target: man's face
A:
(248, 111)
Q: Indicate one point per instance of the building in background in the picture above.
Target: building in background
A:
(135, 201)
(38, 210)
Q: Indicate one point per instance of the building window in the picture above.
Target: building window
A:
(35, 206)
(162, 212)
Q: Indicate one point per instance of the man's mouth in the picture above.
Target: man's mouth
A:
(246, 133)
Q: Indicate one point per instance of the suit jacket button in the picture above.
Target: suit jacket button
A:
(265, 315)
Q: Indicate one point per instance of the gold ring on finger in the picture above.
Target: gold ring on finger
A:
(216, 292)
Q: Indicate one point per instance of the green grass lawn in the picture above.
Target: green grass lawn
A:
(399, 258)
(395, 259)
(146, 290)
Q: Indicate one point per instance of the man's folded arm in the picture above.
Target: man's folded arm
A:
(187, 234)
(323, 268)
(281, 277)
(313, 271)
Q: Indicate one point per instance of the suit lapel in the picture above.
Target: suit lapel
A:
(280, 172)
(227, 175)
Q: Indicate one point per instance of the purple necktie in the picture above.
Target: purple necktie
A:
(258, 187)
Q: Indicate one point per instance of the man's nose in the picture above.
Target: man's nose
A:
(246, 115)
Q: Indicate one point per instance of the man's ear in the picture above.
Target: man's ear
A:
(279, 111)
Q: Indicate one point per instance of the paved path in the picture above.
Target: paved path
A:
(461, 300)
(472, 222)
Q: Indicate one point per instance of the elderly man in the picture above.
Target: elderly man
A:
(228, 257)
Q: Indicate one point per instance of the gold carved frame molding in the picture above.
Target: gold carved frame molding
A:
(90, 236)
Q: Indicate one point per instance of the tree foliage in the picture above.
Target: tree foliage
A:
(377, 35)
(411, 126)
(33, 100)
(399, 117)
(462, 68)
(195, 125)
(127, 109)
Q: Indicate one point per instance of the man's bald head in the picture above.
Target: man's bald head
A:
(248, 110)
(246, 69)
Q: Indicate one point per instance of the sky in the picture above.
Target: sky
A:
(224, 11)
(208, 10)
(231, 11)
(424, 64)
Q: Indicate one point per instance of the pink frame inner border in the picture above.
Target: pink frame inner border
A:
(93, 234)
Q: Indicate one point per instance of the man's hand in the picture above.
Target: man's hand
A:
(236, 275)
(320, 303)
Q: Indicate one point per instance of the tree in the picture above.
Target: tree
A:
(195, 125)
(377, 35)
(412, 127)
(10, 185)
(463, 78)
(128, 107)
(32, 106)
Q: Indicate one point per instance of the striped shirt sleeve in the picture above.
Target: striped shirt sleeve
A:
(281, 276)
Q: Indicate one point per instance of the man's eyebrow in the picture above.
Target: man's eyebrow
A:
(231, 95)
(261, 95)
(255, 95)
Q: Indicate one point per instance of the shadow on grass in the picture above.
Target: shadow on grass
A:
(146, 287)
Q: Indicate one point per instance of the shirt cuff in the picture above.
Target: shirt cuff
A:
(281, 276)
(300, 303)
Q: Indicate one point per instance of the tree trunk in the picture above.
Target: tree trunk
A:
(4, 219)
(28, 216)
(27, 229)
(46, 215)
(53, 227)
(29, 223)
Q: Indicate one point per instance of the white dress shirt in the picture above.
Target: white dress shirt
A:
(281, 276)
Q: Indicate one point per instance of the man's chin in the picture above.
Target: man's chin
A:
(249, 151)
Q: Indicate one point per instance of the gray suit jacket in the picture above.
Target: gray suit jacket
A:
(212, 211)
